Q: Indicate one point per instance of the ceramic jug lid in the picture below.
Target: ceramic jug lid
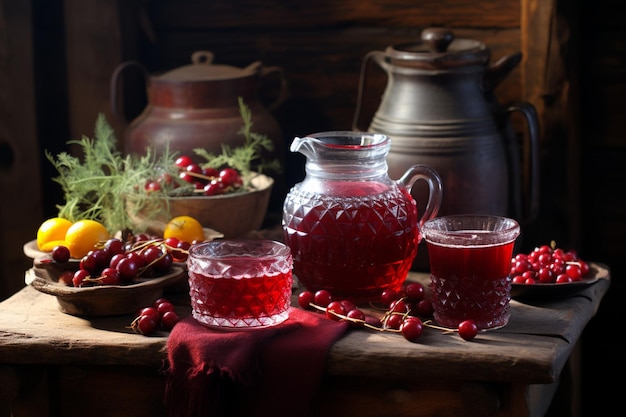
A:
(438, 48)
(203, 69)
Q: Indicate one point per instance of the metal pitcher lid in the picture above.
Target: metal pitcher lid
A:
(203, 69)
(438, 49)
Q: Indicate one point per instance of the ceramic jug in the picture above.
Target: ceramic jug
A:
(352, 230)
(439, 109)
(197, 106)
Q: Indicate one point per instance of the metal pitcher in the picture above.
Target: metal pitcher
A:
(439, 109)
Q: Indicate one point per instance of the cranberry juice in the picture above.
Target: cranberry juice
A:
(471, 282)
(240, 283)
(355, 246)
(248, 301)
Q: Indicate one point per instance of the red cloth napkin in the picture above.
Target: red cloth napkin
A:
(273, 371)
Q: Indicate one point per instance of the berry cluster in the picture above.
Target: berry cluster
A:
(119, 263)
(406, 313)
(161, 314)
(205, 181)
(548, 265)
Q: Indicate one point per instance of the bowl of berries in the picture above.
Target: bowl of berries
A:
(548, 271)
(228, 193)
(223, 200)
(113, 280)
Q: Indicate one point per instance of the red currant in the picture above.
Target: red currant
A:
(388, 296)
(394, 321)
(146, 325)
(183, 161)
(573, 271)
(60, 254)
(79, 277)
(169, 319)
(412, 328)
(414, 292)
(356, 314)
(109, 276)
(215, 187)
(127, 269)
(468, 330)
(230, 177)
(305, 298)
(323, 298)
(164, 307)
(334, 310)
(150, 311)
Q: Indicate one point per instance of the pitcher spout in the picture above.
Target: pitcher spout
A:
(498, 71)
(304, 145)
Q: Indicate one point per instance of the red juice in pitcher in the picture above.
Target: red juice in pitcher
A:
(355, 241)
(351, 229)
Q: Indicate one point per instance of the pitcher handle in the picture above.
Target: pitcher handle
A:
(435, 189)
(283, 93)
(114, 87)
(531, 151)
(379, 57)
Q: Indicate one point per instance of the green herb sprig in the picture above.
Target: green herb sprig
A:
(97, 186)
(245, 158)
(110, 188)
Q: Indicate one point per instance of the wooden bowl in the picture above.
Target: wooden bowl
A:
(232, 215)
(103, 300)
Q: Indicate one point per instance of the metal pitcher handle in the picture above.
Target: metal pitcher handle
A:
(531, 153)
(379, 57)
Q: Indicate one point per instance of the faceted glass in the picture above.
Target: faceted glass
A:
(470, 258)
(240, 283)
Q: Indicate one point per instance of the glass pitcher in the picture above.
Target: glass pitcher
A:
(352, 229)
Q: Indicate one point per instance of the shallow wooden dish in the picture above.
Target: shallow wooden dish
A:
(104, 300)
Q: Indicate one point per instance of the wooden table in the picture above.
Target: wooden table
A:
(56, 364)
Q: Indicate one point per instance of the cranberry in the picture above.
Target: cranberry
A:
(414, 292)
(183, 161)
(468, 330)
(60, 254)
(334, 310)
(323, 298)
(411, 328)
(169, 319)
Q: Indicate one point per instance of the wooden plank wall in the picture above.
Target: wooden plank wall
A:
(20, 182)
(320, 47)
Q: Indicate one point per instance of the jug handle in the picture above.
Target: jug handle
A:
(379, 57)
(115, 86)
(283, 93)
(531, 149)
(435, 189)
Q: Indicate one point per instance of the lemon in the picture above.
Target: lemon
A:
(184, 228)
(83, 236)
(51, 232)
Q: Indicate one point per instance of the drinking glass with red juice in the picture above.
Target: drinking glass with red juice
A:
(240, 283)
(470, 258)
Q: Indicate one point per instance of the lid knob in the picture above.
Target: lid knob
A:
(437, 39)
